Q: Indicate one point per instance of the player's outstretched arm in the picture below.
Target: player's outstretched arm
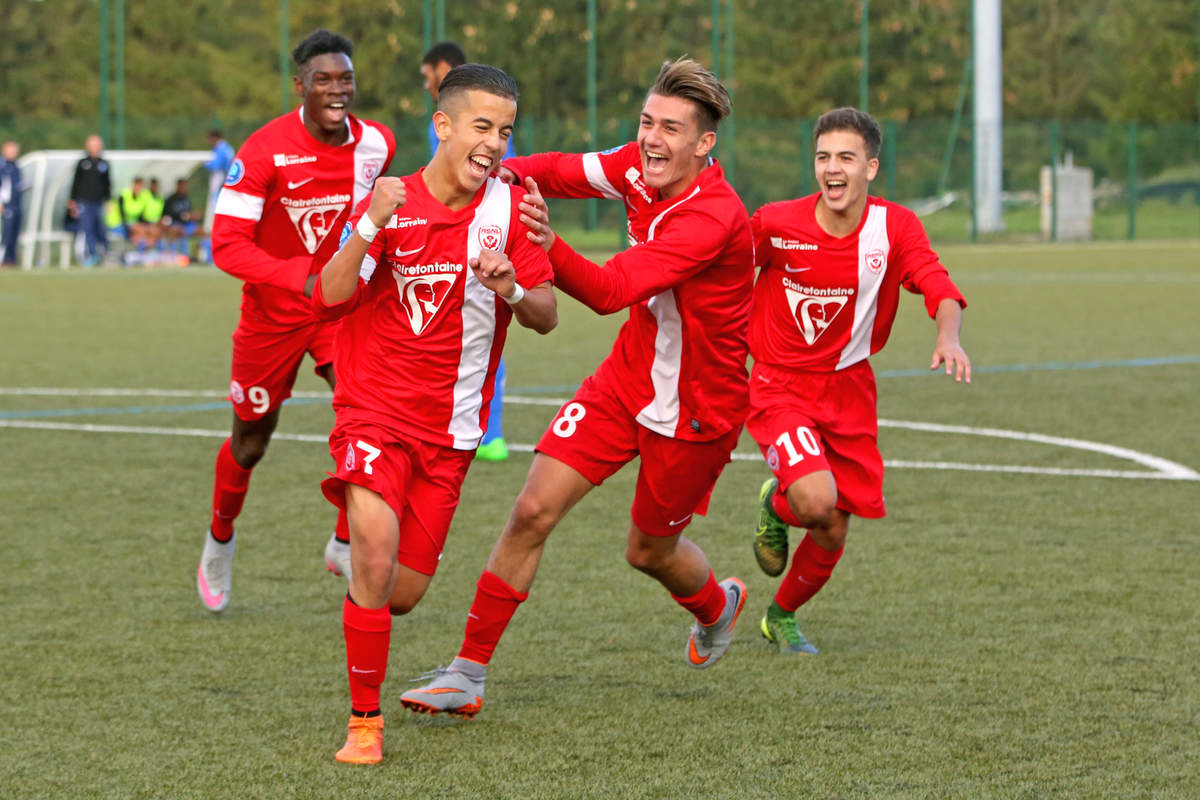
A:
(947, 350)
(535, 308)
(339, 277)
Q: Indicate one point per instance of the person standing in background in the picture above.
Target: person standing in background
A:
(11, 187)
(91, 188)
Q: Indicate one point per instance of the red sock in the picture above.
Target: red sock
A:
(342, 531)
(494, 605)
(811, 567)
(368, 633)
(229, 492)
(780, 505)
(707, 604)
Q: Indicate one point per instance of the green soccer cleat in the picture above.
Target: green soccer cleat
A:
(779, 627)
(495, 450)
(771, 536)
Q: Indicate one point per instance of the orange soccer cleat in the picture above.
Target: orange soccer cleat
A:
(364, 741)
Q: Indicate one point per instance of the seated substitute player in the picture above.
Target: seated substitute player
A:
(826, 296)
(427, 287)
(673, 390)
(290, 190)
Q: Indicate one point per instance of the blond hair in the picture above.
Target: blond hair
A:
(686, 78)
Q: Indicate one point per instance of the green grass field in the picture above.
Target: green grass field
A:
(1027, 628)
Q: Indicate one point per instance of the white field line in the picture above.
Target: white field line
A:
(1167, 470)
(45, 391)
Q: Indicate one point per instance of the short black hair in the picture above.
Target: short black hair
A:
(320, 42)
(483, 77)
(449, 52)
(851, 119)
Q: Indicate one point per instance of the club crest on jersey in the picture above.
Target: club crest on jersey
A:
(423, 291)
(370, 169)
(772, 458)
(349, 458)
(876, 260)
(815, 310)
(490, 237)
(237, 170)
(236, 393)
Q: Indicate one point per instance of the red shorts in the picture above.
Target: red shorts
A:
(419, 481)
(265, 365)
(806, 422)
(595, 435)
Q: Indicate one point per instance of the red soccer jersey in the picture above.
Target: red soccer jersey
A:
(282, 207)
(679, 362)
(821, 302)
(421, 339)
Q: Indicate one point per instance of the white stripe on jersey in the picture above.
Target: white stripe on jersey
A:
(596, 177)
(478, 321)
(239, 204)
(661, 414)
(872, 237)
(372, 147)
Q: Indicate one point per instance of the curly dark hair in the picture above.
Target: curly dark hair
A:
(318, 43)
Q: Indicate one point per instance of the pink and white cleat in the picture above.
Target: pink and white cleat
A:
(214, 576)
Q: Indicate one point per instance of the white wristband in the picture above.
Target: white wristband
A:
(366, 229)
(517, 296)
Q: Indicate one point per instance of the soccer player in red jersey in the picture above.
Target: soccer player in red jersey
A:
(426, 283)
(289, 192)
(673, 390)
(825, 299)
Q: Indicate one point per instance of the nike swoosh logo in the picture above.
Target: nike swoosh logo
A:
(403, 253)
(297, 184)
(796, 269)
(693, 654)
(362, 671)
(442, 690)
(211, 598)
(680, 522)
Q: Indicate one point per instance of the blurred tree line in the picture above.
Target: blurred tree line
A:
(218, 60)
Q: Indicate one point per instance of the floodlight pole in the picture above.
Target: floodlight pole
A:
(427, 42)
(440, 33)
(119, 57)
(730, 122)
(865, 36)
(593, 207)
(285, 83)
(105, 113)
(988, 104)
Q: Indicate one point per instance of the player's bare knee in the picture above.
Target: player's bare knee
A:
(813, 507)
(531, 519)
(832, 535)
(248, 450)
(647, 557)
(374, 577)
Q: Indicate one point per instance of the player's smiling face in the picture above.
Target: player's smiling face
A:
(327, 85)
(673, 146)
(474, 129)
(844, 171)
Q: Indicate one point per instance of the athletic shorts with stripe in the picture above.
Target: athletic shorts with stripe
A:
(805, 422)
(595, 435)
(265, 365)
(419, 481)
